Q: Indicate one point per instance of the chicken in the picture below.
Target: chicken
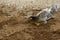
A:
(44, 15)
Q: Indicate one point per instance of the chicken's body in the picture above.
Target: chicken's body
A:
(43, 15)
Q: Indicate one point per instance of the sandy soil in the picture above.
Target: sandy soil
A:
(15, 28)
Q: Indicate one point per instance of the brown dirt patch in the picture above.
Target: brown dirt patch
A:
(14, 28)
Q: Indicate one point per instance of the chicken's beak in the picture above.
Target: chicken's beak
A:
(30, 19)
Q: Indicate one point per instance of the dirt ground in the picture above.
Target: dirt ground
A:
(15, 28)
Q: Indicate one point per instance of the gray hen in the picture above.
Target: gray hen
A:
(45, 14)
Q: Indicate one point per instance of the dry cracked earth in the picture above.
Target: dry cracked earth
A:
(15, 28)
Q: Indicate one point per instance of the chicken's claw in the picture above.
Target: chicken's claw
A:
(37, 24)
